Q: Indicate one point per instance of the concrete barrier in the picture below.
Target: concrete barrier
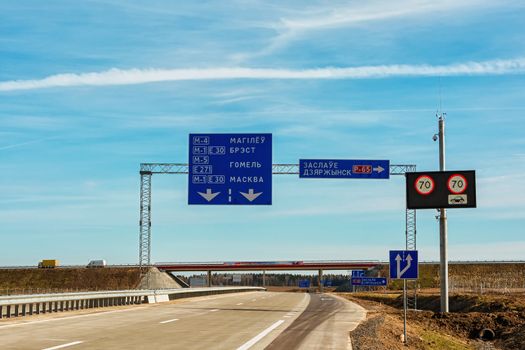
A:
(26, 305)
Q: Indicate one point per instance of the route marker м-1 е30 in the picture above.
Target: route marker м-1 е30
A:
(230, 169)
(344, 169)
(441, 189)
(403, 264)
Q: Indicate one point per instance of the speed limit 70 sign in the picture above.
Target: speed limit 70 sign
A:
(441, 189)
(424, 185)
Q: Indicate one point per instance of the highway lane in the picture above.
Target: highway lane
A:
(325, 324)
(217, 322)
(234, 321)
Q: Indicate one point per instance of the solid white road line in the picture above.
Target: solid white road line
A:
(168, 321)
(70, 317)
(239, 304)
(259, 336)
(64, 345)
(214, 310)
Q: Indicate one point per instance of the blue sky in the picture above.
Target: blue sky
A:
(88, 92)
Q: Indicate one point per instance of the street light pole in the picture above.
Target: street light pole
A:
(443, 239)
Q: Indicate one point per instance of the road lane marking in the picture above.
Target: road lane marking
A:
(239, 304)
(287, 316)
(64, 345)
(69, 318)
(259, 336)
(214, 310)
(168, 321)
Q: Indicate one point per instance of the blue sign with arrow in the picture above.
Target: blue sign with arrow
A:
(403, 264)
(230, 169)
(304, 283)
(358, 273)
(368, 281)
(344, 169)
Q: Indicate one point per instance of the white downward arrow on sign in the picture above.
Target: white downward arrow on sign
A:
(379, 169)
(209, 195)
(250, 195)
(398, 261)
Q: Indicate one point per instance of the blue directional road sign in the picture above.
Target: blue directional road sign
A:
(230, 169)
(368, 281)
(344, 169)
(403, 264)
(327, 283)
(358, 273)
(304, 283)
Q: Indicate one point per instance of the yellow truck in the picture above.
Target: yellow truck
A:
(48, 264)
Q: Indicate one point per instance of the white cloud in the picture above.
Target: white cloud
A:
(359, 13)
(142, 76)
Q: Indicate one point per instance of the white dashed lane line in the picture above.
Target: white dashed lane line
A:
(259, 336)
(168, 321)
(64, 345)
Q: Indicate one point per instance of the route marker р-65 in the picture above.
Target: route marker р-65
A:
(403, 264)
(230, 169)
(344, 169)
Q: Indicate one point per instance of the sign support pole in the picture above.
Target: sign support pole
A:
(443, 255)
(405, 340)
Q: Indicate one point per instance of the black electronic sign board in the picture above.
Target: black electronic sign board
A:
(441, 189)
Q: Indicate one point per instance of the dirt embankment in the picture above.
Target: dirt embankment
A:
(464, 276)
(44, 280)
(492, 316)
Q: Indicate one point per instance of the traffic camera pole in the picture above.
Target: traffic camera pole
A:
(443, 255)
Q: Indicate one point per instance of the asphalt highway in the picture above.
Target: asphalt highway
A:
(241, 321)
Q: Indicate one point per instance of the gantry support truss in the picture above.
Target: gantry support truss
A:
(148, 169)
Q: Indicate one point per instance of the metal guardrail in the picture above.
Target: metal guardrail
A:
(22, 305)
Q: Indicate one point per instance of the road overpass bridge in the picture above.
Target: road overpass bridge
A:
(264, 266)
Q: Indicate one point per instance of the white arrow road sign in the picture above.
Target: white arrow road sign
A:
(379, 169)
(209, 195)
(251, 196)
(398, 261)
